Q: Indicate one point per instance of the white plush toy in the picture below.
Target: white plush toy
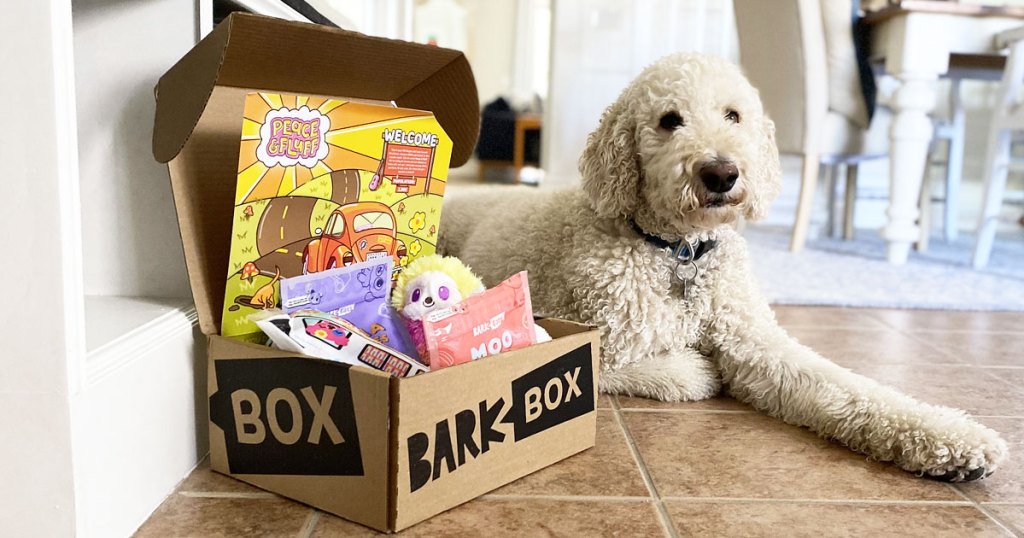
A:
(436, 282)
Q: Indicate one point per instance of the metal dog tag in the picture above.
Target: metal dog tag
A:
(684, 254)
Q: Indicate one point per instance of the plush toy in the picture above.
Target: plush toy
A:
(434, 282)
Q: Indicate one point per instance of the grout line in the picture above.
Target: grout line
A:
(757, 500)
(580, 498)
(959, 492)
(663, 517)
(1002, 503)
(963, 331)
(996, 520)
(929, 344)
(310, 525)
(227, 495)
(831, 328)
(679, 410)
(986, 371)
(977, 505)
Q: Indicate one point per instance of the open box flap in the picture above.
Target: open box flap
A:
(252, 51)
(200, 103)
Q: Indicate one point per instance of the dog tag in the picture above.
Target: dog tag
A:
(685, 270)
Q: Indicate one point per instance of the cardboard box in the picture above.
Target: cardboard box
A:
(381, 451)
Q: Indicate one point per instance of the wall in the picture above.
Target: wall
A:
(130, 233)
(491, 45)
(39, 245)
(598, 46)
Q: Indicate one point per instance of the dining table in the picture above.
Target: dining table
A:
(918, 42)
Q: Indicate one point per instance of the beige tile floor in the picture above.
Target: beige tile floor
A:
(716, 468)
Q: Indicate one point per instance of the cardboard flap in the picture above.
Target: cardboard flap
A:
(252, 51)
(200, 104)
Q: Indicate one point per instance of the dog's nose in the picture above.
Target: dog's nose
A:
(719, 176)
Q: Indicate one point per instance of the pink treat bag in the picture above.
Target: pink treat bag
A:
(497, 320)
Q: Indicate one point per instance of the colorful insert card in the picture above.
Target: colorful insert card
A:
(326, 183)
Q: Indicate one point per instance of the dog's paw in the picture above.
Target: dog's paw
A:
(961, 475)
(961, 459)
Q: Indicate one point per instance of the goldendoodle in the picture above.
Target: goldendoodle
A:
(645, 251)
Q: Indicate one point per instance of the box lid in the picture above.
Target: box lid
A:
(199, 107)
(253, 51)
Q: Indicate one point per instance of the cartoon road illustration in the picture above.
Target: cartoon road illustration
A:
(283, 231)
(324, 183)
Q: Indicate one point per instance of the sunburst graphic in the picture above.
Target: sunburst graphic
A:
(311, 171)
(346, 149)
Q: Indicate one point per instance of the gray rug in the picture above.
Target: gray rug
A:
(855, 273)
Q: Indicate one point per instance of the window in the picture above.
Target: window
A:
(373, 219)
(336, 226)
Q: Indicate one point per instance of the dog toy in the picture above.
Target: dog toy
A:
(431, 283)
(435, 283)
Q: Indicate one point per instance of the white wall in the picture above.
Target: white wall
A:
(598, 46)
(491, 44)
(130, 233)
(487, 37)
(140, 425)
(39, 326)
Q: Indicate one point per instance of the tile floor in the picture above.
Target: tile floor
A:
(716, 468)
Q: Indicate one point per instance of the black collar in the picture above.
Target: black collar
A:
(680, 249)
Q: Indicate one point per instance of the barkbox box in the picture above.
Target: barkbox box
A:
(377, 450)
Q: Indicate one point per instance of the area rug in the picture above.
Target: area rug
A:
(855, 273)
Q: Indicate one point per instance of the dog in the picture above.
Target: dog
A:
(645, 250)
(264, 296)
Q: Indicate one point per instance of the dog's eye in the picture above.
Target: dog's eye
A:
(732, 116)
(670, 121)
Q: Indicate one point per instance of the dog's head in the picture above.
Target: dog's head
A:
(685, 147)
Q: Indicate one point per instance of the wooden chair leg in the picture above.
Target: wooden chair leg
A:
(954, 164)
(851, 200)
(805, 207)
(518, 151)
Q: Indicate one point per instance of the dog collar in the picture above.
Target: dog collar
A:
(681, 250)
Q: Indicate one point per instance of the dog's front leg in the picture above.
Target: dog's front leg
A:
(625, 293)
(765, 367)
(670, 376)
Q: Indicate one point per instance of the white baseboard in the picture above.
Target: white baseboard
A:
(140, 419)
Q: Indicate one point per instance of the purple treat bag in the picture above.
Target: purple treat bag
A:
(358, 294)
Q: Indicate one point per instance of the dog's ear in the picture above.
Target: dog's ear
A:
(609, 164)
(767, 174)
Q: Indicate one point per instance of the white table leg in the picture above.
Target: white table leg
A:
(916, 52)
(909, 136)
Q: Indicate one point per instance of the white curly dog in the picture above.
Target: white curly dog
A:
(685, 151)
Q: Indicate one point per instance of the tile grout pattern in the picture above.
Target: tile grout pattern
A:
(648, 474)
(663, 516)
